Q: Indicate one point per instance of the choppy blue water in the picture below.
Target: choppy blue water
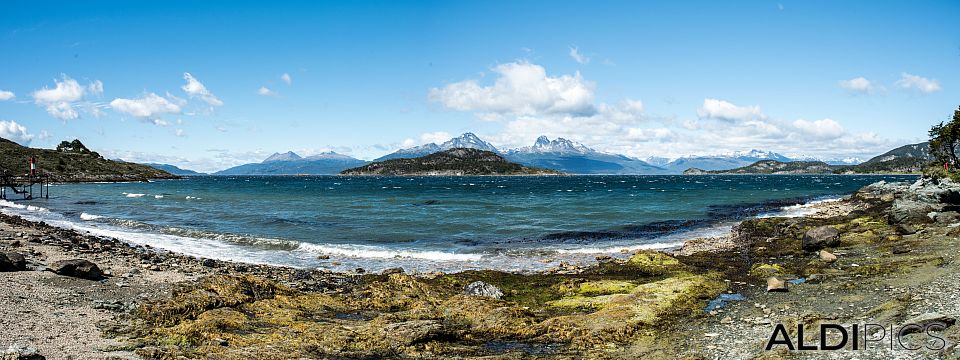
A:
(426, 223)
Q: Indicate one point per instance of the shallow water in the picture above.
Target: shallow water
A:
(427, 223)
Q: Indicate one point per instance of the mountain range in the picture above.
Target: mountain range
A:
(558, 154)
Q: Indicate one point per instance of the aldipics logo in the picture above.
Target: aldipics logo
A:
(860, 337)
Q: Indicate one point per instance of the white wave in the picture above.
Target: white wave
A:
(619, 249)
(798, 210)
(158, 196)
(134, 195)
(89, 217)
(372, 252)
(11, 204)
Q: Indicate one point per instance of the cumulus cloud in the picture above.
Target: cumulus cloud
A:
(196, 89)
(723, 110)
(521, 88)
(149, 107)
(918, 83)
(264, 91)
(12, 131)
(858, 85)
(286, 78)
(820, 129)
(7, 95)
(61, 99)
(578, 57)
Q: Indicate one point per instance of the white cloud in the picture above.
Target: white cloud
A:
(264, 91)
(17, 133)
(180, 133)
(195, 88)
(858, 85)
(578, 57)
(820, 129)
(7, 95)
(521, 89)
(286, 78)
(435, 137)
(149, 107)
(918, 83)
(722, 110)
(95, 88)
(59, 101)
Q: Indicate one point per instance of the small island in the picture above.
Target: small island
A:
(71, 161)
(453, 162)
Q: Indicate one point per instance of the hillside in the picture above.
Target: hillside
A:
(173, 169)
(453, 162)
(772, 167)
(73, 162)
(290, 163)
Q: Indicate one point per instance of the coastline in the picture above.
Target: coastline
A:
(59, 315)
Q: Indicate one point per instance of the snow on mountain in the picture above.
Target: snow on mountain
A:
(329, 155)
(559, 146)
(467, 140)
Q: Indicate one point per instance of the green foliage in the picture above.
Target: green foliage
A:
(944, 140)
(460, 161)
(72, 161)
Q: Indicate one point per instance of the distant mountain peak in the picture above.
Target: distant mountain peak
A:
(559, 145)
(468, 140)
(287, 156)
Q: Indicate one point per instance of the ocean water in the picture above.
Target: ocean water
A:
(427, 223)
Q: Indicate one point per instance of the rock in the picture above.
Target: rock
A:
(391, 271)
(78, 268)
(209, 263)
(927, 319)
(827, 257)
(360, 271)
(909, 212)
(776, 285)
(324, 257)
(821, 237)
(906, 229)
(411, 332)
(12, 261)
(947, 217)
(603, 258)
(900, 249)
(301, 274)
(21, 352)
(480, 288)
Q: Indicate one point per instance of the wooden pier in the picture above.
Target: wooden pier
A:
(23, 186)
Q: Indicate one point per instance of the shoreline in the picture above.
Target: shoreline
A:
(59, 315)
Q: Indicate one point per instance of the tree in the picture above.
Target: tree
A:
(945, 139)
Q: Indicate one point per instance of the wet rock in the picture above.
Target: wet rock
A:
(928, 319)
(77, 268)
(360, 271)
(947, 217)
(209, 263)
(324, 257)
(776, 285)
(827, 257)
(21, 352)
(12, 261)
(821, 237)
(602, 258)
(480, 288)
(906, 229)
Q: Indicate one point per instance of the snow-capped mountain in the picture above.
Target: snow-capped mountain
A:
(832, 161)
(287, 156)
(467, 140)
(575, 158)
(725, 161)
(329, 155)
(559, 146)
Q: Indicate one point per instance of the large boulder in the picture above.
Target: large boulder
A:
(821, 237)
(910, 212)
(77, 268)
(480, 288)
(12, 261)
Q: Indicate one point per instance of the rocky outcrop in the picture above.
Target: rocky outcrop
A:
(821, 237)
(77, 268)
(480, 288)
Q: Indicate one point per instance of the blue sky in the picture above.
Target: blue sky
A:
(669, 78)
